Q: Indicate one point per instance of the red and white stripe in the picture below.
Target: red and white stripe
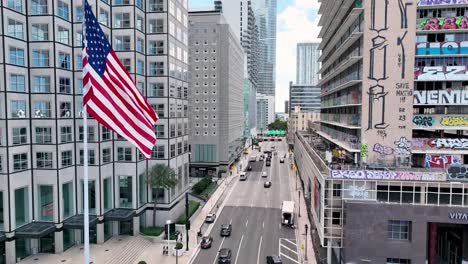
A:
(115, 101)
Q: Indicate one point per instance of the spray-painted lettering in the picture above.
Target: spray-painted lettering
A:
(457, 172)
(454, 121)
(440, 2)
(381, 149)
(441, 161)
(442, 48)
(434, 23)
(364, 150)
(450, 143)
(441, 97)
(387, 175)
(441, 73)
(403, 146)
(423, 120)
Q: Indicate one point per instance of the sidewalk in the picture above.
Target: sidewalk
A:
(302, 220)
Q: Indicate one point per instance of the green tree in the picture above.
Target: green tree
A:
(161, 176)
(278, 125)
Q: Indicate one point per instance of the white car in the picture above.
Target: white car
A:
(243, 176)
(264, 174)
(210, 218)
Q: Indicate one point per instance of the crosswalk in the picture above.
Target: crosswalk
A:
(288, 251)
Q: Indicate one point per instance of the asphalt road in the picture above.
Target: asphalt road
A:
(255, 215)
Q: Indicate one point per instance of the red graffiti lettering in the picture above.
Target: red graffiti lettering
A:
(432, 24)
(449, 23)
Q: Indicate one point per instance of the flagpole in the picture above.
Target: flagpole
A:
(85, 160)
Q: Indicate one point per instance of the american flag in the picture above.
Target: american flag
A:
(110, 94)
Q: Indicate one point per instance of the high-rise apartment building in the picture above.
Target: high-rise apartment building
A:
(41, 152)
(265, 17)
(216, 93)
(307, 63)
(391, 156)
(265, 111)
(305, 96)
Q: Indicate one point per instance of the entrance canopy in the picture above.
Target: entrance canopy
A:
(119, 214)
(77, 221)
(35, 230)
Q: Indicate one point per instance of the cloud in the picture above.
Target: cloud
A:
(297, 23)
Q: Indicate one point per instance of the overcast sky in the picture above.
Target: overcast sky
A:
(297, 22)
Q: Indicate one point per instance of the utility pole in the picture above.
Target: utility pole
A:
(306, 227)
(187, 220)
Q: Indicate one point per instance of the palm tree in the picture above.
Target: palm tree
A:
(161, 176)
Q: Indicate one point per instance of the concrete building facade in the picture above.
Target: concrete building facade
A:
(389, 160)
(307, 63)
(41, 186)
(265, 111)
(216, 101)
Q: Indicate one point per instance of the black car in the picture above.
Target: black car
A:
(267, 184)
(273, 260)
(268, 163)
(226, 230)
(282, 160)
(206, 242)
(224, 256)
(249, 168)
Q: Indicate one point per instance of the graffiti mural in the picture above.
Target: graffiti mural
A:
(457, 172)
(364, 150)
(441, 73)
(454, 121)
(440, 2)
(383, 150)
(442, 48)
(403, 146)
(440, 97)
(449, 143)
(387, 175)
(435, 23)
(441, 161)
(423, 120)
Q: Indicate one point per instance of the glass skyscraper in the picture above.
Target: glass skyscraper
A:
(308, 65)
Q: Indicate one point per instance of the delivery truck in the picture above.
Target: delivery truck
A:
(287, 213)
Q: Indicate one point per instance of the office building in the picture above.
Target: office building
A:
(301, 121)
(390, 158)
(216, 94)
(306, 96)
(265, 17)
(41, 152)
(307, 63)
(265, 111)
(286, 107)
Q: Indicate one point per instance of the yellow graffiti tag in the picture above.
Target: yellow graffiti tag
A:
(454, 121)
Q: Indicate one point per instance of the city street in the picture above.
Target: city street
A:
(255, 215)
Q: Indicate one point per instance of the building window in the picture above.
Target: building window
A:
(179, 148)
(46, 202)
(140, 67)
(43, 135)
(122, 2)
(127, 63)
(63, 35)
(17, 83)
(18, 108)
(21, 206)
(15, 29)
(40, 32)
(16, 5)
(63, 10)
(107, 194)
(173, 150)
(91, 157)
(156, 68)
(44, 159)
(106, 155)
(399, 230)
(65, 109)
(124, 154)
(140, 46)
(158, 152)
(19, 135)
(67, 195)
(336, 190)
(159, 130)
(17, 56)
(106, 134)
(159, 109)
(79, 13)
(91, 196)
(103, 17)
(67, 158)
(142, 187)
(20, 161)
(41, 84)
(64, 85)
(156, 5)
(38, 7)
(40, 58)
(398, 261)
(156, 89)
(90, 133)
(156, 47)
(140, 24)
(41, 109)
(156, 26)
(122, 43)
(122, 20)
(64, 61)
(125, 192)
(66, 134)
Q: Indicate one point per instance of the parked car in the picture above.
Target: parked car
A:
(273, 260)
(224, 256)
(264, 174)
(226, 230)
(282, 160)
(206, 242)
(242, 177)
(267, 184)
(210, 218)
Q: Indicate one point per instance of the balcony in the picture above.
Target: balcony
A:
(439, 146)
(351, 99)
(346, 141)
(350, 121)
(340, 50)
(352, 59)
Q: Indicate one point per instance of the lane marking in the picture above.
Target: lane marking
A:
(282, 245)
(246, 223)
(238, 250)
(259, 250)
(263, 224)
(286, 256)
(230, 222)
(294, 244)
(251, 205)
(216, 257)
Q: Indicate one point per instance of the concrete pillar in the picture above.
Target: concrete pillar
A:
(10, 252)
(100, 233)
(34, 246)
(115, 228)
(136, 225)
(329, 253)
(58, 242)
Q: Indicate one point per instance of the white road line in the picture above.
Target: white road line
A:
(238, 250)
(251, 205)
(294, 244)
(216, 257)
(259, 250)
(246, 223)
(286, 256)
(294, 252)
(263, 224)
(230, 222)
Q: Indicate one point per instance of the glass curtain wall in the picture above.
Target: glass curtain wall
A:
(46, 203)
(125, 192)
(91, 196)
(107, 194)
(67, 195)
(142, 189)
(21, 206)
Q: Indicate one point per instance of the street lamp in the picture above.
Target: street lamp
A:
(306, 227)
(168, 222)
(187, 220)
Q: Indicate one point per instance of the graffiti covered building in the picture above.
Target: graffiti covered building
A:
(394, 129)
